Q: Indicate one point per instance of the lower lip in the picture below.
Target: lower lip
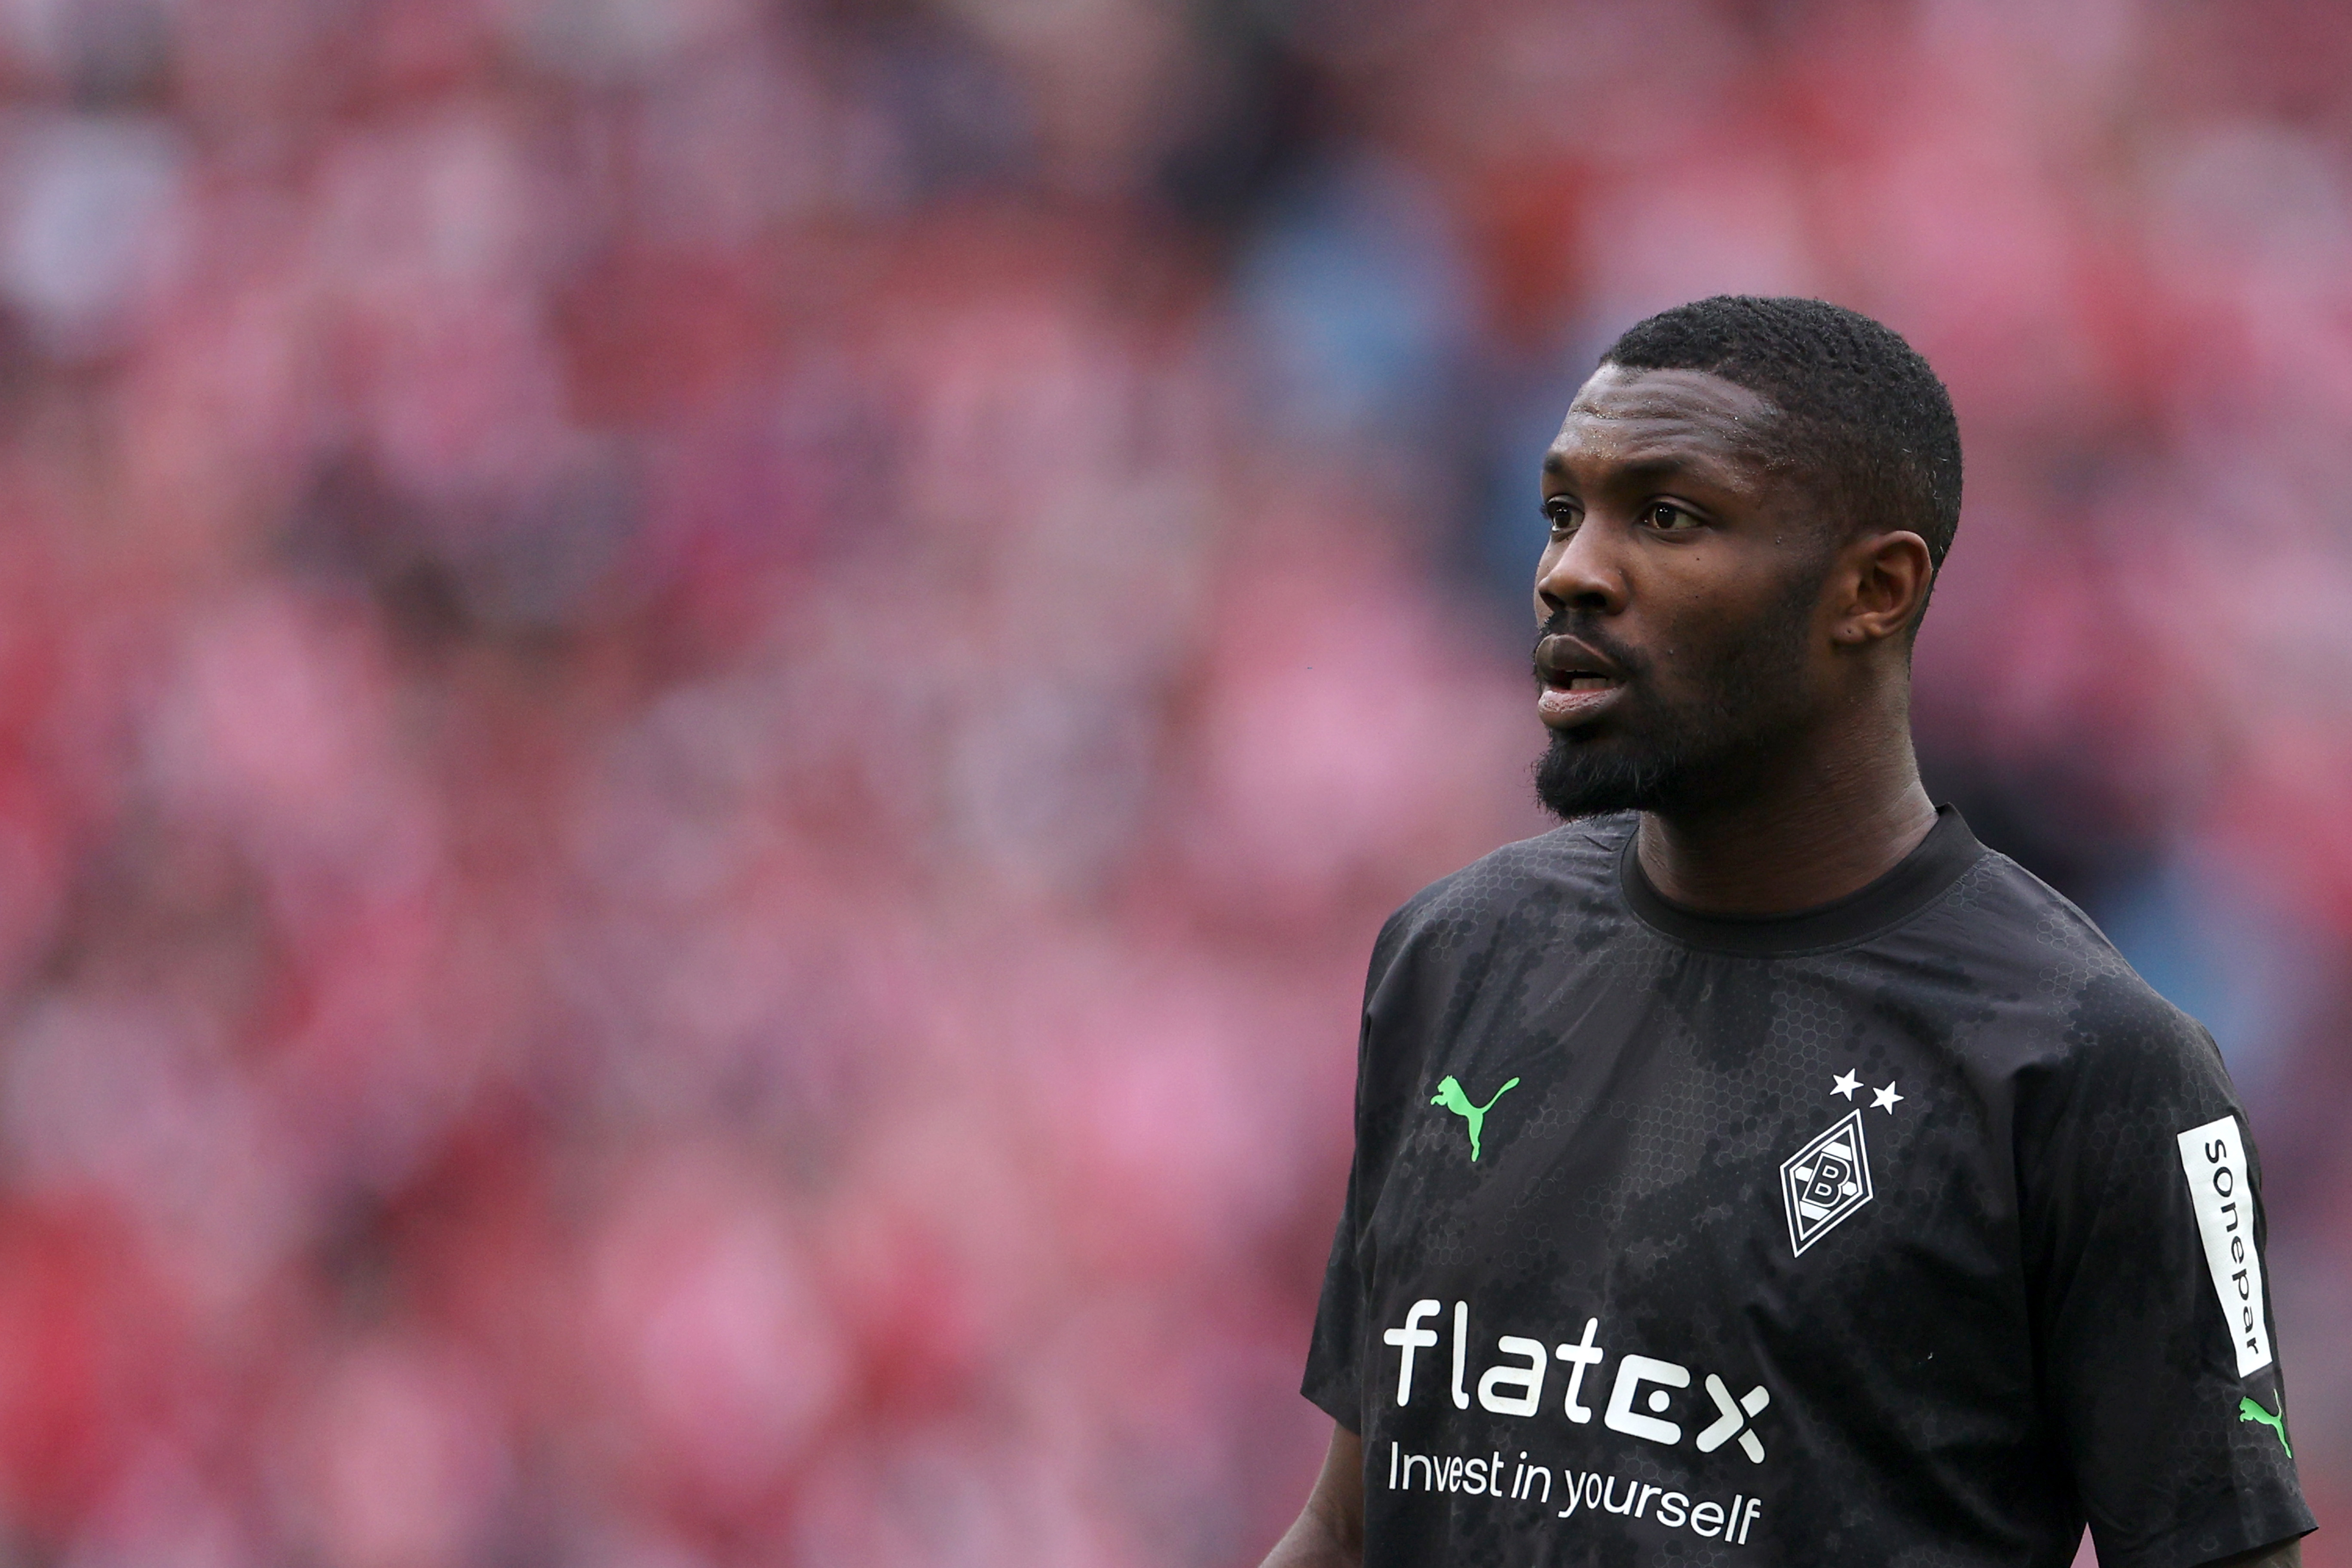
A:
(1561, 709)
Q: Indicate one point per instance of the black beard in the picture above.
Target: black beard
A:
(1672, 757)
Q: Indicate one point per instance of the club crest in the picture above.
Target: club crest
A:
(1826, 1180)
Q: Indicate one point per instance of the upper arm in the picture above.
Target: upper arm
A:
(1337, 1499)
(2174, 1422)
(1330, 1531)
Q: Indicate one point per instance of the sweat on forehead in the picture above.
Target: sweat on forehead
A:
(1660, 416)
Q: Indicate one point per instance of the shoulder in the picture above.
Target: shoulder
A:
(1570, 867)
(2092, 1028)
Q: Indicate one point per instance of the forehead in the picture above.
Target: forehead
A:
(1679, 420)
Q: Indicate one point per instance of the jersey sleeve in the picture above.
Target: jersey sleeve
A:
(2143, 1231)
(1333, 1380)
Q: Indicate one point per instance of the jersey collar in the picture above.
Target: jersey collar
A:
(1916, 881)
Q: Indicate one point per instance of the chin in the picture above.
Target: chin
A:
(1580, 775)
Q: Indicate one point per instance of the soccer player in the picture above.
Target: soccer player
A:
(1758, 1169)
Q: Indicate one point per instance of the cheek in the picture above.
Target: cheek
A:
(1699, 634)
(1694, 619)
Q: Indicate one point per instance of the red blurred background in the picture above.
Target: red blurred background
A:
(704, 706)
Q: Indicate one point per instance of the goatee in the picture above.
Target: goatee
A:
(1665, 755)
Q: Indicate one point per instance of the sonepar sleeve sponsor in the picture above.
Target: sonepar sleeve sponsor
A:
(2213, 1158)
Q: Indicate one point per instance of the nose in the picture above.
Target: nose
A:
(1580, 574)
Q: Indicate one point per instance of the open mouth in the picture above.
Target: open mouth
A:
(1578, 682)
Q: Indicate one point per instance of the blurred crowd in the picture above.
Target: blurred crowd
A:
(705, 705)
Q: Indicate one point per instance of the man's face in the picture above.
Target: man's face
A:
(1677, 596)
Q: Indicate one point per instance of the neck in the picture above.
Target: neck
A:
(1832, 820)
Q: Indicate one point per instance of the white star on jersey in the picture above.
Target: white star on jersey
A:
(1883, 1099)
(1846, 1085)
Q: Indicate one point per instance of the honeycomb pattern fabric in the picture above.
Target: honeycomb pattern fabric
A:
(1864, 1235)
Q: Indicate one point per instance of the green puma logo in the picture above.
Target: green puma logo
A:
(2250, 1411)
(1449, 1095)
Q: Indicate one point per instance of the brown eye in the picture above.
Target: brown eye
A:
(1562, 516)
(1669, 517)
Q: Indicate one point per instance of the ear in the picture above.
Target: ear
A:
(1883, 581)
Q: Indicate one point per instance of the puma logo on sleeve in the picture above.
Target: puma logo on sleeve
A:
(2250, 1411)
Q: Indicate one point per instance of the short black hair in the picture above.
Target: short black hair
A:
(1864, 416)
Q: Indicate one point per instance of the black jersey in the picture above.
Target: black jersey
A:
(1913, 1229)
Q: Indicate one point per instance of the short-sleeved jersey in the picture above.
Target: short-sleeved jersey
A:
(1915, 1229)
